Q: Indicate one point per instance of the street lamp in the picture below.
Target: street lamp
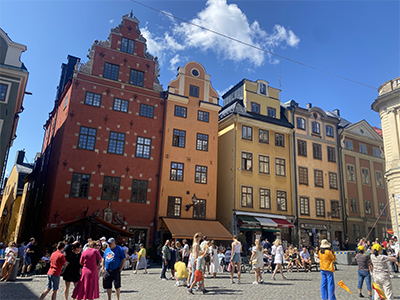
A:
(194, 200)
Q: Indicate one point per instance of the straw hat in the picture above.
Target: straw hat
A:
(325, 244)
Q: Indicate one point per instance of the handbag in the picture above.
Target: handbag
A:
(254, 261)
(229, 267)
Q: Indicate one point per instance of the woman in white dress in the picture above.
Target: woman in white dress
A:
(257, 261)
(277, 250)
(215, 267)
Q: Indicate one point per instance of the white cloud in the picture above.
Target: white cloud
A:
(174, 62)
(111, 21)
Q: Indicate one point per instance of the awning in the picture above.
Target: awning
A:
(283, 223)
(249, 220)
(186, 228)
(267, 222)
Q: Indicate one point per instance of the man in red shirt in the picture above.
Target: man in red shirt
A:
(57, 261)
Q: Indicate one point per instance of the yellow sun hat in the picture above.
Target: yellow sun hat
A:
(361, 248)
(377, 247)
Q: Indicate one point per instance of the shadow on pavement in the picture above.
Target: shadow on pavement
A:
(8, 291)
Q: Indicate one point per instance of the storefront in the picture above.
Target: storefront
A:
(311, 232)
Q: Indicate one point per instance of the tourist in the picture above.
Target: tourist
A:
(28, 255)
(195, 254)
(21, 250)
(57, 261)
(336, 245)
(305, 259)
(236, 258)
(267, 260)
(199, 272)
(72, 271)
(134, 259)
(364, 263)
(381, 271)
(87, 244)
(181, 272)
(166, 257)
(88, 284)
(172, 261)
(346, 245)
(316, 255)
(103, 241)
(296, 258)
(205, 246)
(327, 257)
(179, 251)
(396, 251)
(185, 252)
(112, 265)
(215, 266)
(141, 260)
(256, 260)
(11, 254)
(277, 250)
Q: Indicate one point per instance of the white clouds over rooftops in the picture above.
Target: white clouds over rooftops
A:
(227, 19)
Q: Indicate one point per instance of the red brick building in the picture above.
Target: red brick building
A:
(102, 145)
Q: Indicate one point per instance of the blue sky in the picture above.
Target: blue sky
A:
(357, 39)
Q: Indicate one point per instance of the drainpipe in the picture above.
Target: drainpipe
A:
(234, 222)
(342, 193)
(294, 170)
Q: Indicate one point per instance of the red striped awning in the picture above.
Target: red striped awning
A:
(283, 223)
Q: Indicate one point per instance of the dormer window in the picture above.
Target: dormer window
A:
(271, 112)
(316, 128)
(127, 45)
(263, 89)
(255, 107)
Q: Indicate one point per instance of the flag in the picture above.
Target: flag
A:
(343, 286)
(378, 289)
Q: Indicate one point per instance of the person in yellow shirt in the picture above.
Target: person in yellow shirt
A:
(142, 260)
(327, 258)
(180, 272)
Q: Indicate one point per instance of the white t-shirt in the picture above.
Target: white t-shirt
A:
(380, 264)
(186, 250)
(11, 252)
(396, 248)
(203, 245)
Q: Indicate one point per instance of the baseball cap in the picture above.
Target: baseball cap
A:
(111, 240)
(103, 238)
(377, 247)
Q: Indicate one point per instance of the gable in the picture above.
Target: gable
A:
(363, 129)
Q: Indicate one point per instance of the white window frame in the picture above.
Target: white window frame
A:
(8, 91)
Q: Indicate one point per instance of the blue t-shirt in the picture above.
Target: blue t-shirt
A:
(30, 248)
(113, 257)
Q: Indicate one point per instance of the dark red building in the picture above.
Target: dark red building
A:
(102, 145)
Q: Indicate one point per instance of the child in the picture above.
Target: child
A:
(268, 260)
(198, 274)
(180, 272)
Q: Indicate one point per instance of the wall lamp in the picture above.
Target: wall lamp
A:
(194, 200)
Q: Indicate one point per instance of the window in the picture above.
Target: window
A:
(271, 112)
(333, 184)
(382, 208)
(247, 133)
(363, 148)
(319, 178)
(66, 101)
(203, 116)
(349, 145)
(353, 205)
(377, 152)
(351, 176)
(335, 209)
(329, 131)
(143, 146)
(136, 77)
(180, 111)
(281, 200)
(3, 92)
(265, 198)
(301, 148)
(365, 176)
(255, 107)
(263, 164)
(110, 188)
(316, 128)
(304, 206)
(174, 207)
(317, 151)
(356, 230)
(87, 138)
(93, 99)
(368, 207)
(199, 209)
(121, 105)
(194, 91)
(79, 185)
(263, 136)
(247, 161)
(279, 140)
(116, 143)
(202, 142)
(146, 110)
(280, 168)
(139, 191)
(320, 207)
(331, 154)
(201, 174)
(176, 171)
(303, 175)
(111, 71)
(263, 89)
(178, 139)
(301, 123)
(127, 45)
(247, 196)
(379, 179)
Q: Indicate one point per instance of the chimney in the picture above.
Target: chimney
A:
(336, 112)
(19, 158)
(308, 105)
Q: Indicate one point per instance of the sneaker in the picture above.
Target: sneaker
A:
(238, 281)
(255, 282)
(164, 279)
(391, 276)
(205, 291)
(361, 295)
(176, 283)
(398, 276)
(232, 281)
(262, 281)
(190, 291)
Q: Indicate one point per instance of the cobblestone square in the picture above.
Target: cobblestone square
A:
(149, 286)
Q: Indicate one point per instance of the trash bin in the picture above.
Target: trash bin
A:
(14, 271)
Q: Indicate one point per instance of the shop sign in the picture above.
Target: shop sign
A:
(311, 226)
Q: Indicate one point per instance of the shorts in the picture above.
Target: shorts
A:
(236, 258)
(27, 261)
(207, 258)
(198, 276)
(53, 282)
(111, 276)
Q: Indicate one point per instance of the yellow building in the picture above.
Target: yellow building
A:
(254, 162)
(12, 203)
(318, 185)
(188, 183)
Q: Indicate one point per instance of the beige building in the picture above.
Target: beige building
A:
(388, 106)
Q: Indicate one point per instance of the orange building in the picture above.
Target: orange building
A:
(188, 182)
